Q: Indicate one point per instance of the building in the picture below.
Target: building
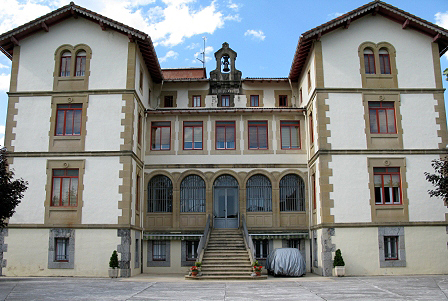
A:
(131, 157)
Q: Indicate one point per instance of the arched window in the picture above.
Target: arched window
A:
(80, 67)
(369, 61)
(66, 58)
(259, 194)
(160, 194)
(292, 193)
(384, 61)
(192, 194)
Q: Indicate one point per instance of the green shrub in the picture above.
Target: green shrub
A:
(113, 262)
(338, 260)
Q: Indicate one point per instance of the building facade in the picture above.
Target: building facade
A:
(126, 156)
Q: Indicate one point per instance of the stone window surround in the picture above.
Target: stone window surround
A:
(399, 233)
(158, 263)
(201, 93)
(76, 81)
(168, 93)
(288, 94)
(260, 94)
(61, 233)
(184, 261)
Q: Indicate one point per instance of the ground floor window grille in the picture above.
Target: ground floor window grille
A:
(293, 243)
(292, 193)
(192, 249)
(159, 250)
(261, 248)
(390, 247)
(61, 249)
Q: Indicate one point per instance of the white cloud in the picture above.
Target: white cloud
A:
(234, 6)
(4, 82)
(208, 57)
(4, 66)
(193, 46)
(334, 15)
(168, 24)
(255, 34)
(169, 54)
(2, 134)
(442, 20)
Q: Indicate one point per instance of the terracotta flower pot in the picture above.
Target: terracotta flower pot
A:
(194, 273)
(258, 273)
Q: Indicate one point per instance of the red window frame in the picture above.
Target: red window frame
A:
(193, 125)
(283, 100)
(65, 64)
(384, 62)
(257, 125)
(226, 126)
(197, 101)
(225, 100)
(62, 179)
(384, 190)
(168, 101)
(382, 111)
(255, 100)
(68, 120)
(80, 66)
(369, 62)
(311, 129)
(290, 124)
(160, 125)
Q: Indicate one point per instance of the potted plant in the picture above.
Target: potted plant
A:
(257, 269)
(338, 264)
(113, 265)
(194, 271)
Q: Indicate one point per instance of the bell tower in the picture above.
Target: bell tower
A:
(225, 80)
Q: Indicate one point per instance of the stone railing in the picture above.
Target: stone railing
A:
(248, 241)
(204, 240)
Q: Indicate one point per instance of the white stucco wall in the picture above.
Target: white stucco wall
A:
(32, 124)
(419, 121)
(31, 210)
(425, 251)
(347, 124)
(103, 124)
(421, 206)
(101, 172)
(351, 193)
(93, 248)
(341, 60)
(109, 55)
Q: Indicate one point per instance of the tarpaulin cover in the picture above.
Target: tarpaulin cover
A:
(287, 262)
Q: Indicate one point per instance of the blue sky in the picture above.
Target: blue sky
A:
(264, 33)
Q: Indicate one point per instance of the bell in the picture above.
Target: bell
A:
(226, 64)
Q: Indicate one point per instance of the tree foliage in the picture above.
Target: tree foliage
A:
(446, 73)
(439, 180)
(113, 262)
(11, 191)
(338, 260)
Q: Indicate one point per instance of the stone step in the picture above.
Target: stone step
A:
(226, 273)
(225, 278)
(218, 260)
(223, 264)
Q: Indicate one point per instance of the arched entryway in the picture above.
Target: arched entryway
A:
(225, 202)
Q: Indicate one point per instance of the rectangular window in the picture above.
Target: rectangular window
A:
(225, 101)
(168, 101)
(300, 97)
(382, 117)
(258, 134)
(369, 62)
(65, 64)
(313, 179)
(65, 187)
(137, 194)
(391, 247)
(196, 101)
(192, 249)
(61, 253)
(68, 120)
(387, 185)
(293, 243)
(254, 101)
(384, 61)
(225, 134)
(261, 248)
(139, 129)
(140, 80)
(309, 80)
(160, 135)
(283, 100)
(311, 129)
(193, 135)
(159, 250)
(137, 253)
(290, 134)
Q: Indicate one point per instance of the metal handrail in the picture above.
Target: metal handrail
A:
(204, 240)
(248, 241)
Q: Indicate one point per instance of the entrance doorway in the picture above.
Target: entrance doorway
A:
(225, 202)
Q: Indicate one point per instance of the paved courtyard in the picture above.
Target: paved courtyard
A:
(174, 287)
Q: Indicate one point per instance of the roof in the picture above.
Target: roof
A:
(407, 20)
(11, 38)
(184, 73)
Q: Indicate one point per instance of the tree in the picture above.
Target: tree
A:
(11, 191)
(439, 179)
(446, 73)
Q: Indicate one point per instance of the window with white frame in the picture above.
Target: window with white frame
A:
(196, 100)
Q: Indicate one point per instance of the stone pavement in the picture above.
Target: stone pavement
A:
(174, 287)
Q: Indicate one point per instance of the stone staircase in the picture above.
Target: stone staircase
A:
(226, 257)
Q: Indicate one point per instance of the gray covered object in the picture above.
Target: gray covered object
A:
(286, 262)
